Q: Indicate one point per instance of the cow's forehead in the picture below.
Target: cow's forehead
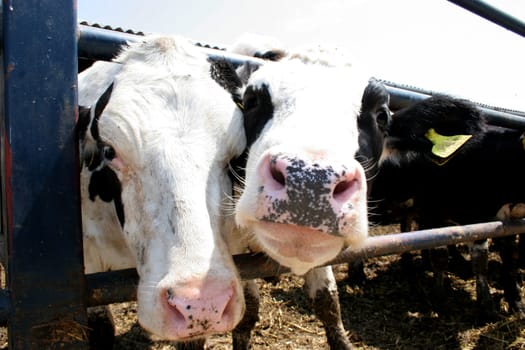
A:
(309, 89)
(314, 82)
(176, 111)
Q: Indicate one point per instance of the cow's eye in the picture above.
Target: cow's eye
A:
(109, 152)
(383, 119)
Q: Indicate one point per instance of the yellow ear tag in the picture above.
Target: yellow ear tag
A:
(445, 146)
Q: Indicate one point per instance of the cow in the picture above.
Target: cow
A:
(314, 134)
(156, 134)
(443, 164)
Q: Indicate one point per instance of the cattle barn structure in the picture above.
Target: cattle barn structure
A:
(46, 295)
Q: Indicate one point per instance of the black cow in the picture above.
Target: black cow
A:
(442, 165)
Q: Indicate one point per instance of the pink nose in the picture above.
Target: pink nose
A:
(308, 193)
(289, 174)
(199, 310)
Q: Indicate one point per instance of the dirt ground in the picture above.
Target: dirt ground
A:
(387, 312)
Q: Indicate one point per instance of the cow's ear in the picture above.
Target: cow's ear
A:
(224, 74)
(445, 147)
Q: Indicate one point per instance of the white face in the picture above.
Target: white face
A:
(172, 131)
(305, 193)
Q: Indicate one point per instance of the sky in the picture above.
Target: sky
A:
(431, 44)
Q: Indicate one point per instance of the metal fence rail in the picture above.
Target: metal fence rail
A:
(103, 44)
(102, 287)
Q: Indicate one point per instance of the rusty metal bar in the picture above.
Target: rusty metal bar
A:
(402, 242)
(118, 286)
(256, 266)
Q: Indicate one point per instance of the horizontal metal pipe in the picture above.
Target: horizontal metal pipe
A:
(118, 286)
(403, 242)
(401, 98)
(111, 287)
(503, 119)
(104, 44)
(101, 44)
(493, 14)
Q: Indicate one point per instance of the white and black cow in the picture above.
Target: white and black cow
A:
(444, 165)
(314, 131)
(156, 136)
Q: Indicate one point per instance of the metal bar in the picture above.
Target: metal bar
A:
(101, 44)
(45, 273)
(111, 287)
(119, 286)
(400, 98)
(492, 14)
(424, 239)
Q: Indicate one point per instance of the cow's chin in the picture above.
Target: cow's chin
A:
(297, 247)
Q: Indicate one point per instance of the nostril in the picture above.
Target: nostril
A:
(277, 174)
(341, 187)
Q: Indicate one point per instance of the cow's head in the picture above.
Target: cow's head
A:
(305, 190)
(418, 130)
(420, 141)
(155, 149)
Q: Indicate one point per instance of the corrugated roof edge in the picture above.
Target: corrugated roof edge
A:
(135, 32)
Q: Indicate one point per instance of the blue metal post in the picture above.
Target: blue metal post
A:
(45, 274)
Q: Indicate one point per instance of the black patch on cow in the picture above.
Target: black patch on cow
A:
(99, 108)
(258, 110)
(105, 184)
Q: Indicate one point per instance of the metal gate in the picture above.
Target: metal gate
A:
(46, 295)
